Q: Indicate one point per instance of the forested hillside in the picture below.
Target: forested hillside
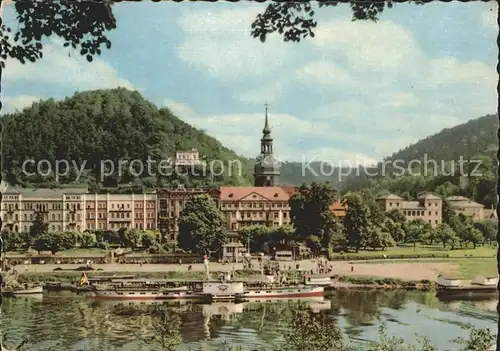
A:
(296, 173)
(91, 127)
(440, 169)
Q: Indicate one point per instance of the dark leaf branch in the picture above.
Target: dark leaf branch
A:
(80, 24)
(296, 20)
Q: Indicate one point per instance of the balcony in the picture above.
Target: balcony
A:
(120, 220)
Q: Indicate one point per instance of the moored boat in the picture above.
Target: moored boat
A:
(133, 293)
(447, 286)
(283, 292)
(318, 279)
(32, 291)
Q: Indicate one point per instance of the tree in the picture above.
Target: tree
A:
(473, 236)
(201, 225)
(283, 234)
(98, 233)
(111, 237)
(87, 239)
(378, 238)
(11, 240)
(255, 237)
(450, 216)
(54, 242)
(296, 20)
(396, 216)
(333, 233)
(446, 235)
(132, 238)
(417, 229)
(488, 229)
(395, 229)
(310, 209)
(356, 220)
(39, 226)
(81, 25)
(314, 243)
(149, 240)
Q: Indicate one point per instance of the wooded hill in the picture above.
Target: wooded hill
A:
(475, 142)
(93, 126)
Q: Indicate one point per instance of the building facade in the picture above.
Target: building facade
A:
(266, 168)
(170, 203)
(62, 210)
(427, 207)
(467, 207)
(73, 209)
(116, 211)
(248, 206)
(187, 158)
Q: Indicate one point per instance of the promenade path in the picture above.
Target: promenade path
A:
(403, 270)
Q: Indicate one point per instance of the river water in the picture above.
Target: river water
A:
(62, 321)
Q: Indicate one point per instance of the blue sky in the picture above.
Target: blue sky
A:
(356, 92)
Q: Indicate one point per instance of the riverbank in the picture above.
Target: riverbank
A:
(414, 270)
(30, 279)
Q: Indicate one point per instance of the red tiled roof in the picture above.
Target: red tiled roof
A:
(290, 189)
(236, 193)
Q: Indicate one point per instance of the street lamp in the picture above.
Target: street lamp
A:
(162, 232)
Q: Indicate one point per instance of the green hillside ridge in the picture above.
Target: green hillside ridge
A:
(115, 124)
(475, 141)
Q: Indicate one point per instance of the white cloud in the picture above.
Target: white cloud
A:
(399, 100)
(12, 104)
(269, 93)
(448, 70)
(67, 68)
(242, 132)
(219, 43)
(382, 46)
(325, 73)
(379, 127)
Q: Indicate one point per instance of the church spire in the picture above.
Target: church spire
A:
(266, 169)
(266, 130)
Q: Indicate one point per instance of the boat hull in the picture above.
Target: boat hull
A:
(34, 291)
(284, 293)
(466, 291)
(114, 295)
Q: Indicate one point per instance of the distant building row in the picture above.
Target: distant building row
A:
(428, 207)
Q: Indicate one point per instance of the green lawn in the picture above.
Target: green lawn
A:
(469, 268)
(71, 252)
(480, 251)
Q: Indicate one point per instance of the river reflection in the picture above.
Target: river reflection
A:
(69, 322)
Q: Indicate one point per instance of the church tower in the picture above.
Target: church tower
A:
(266, 170)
